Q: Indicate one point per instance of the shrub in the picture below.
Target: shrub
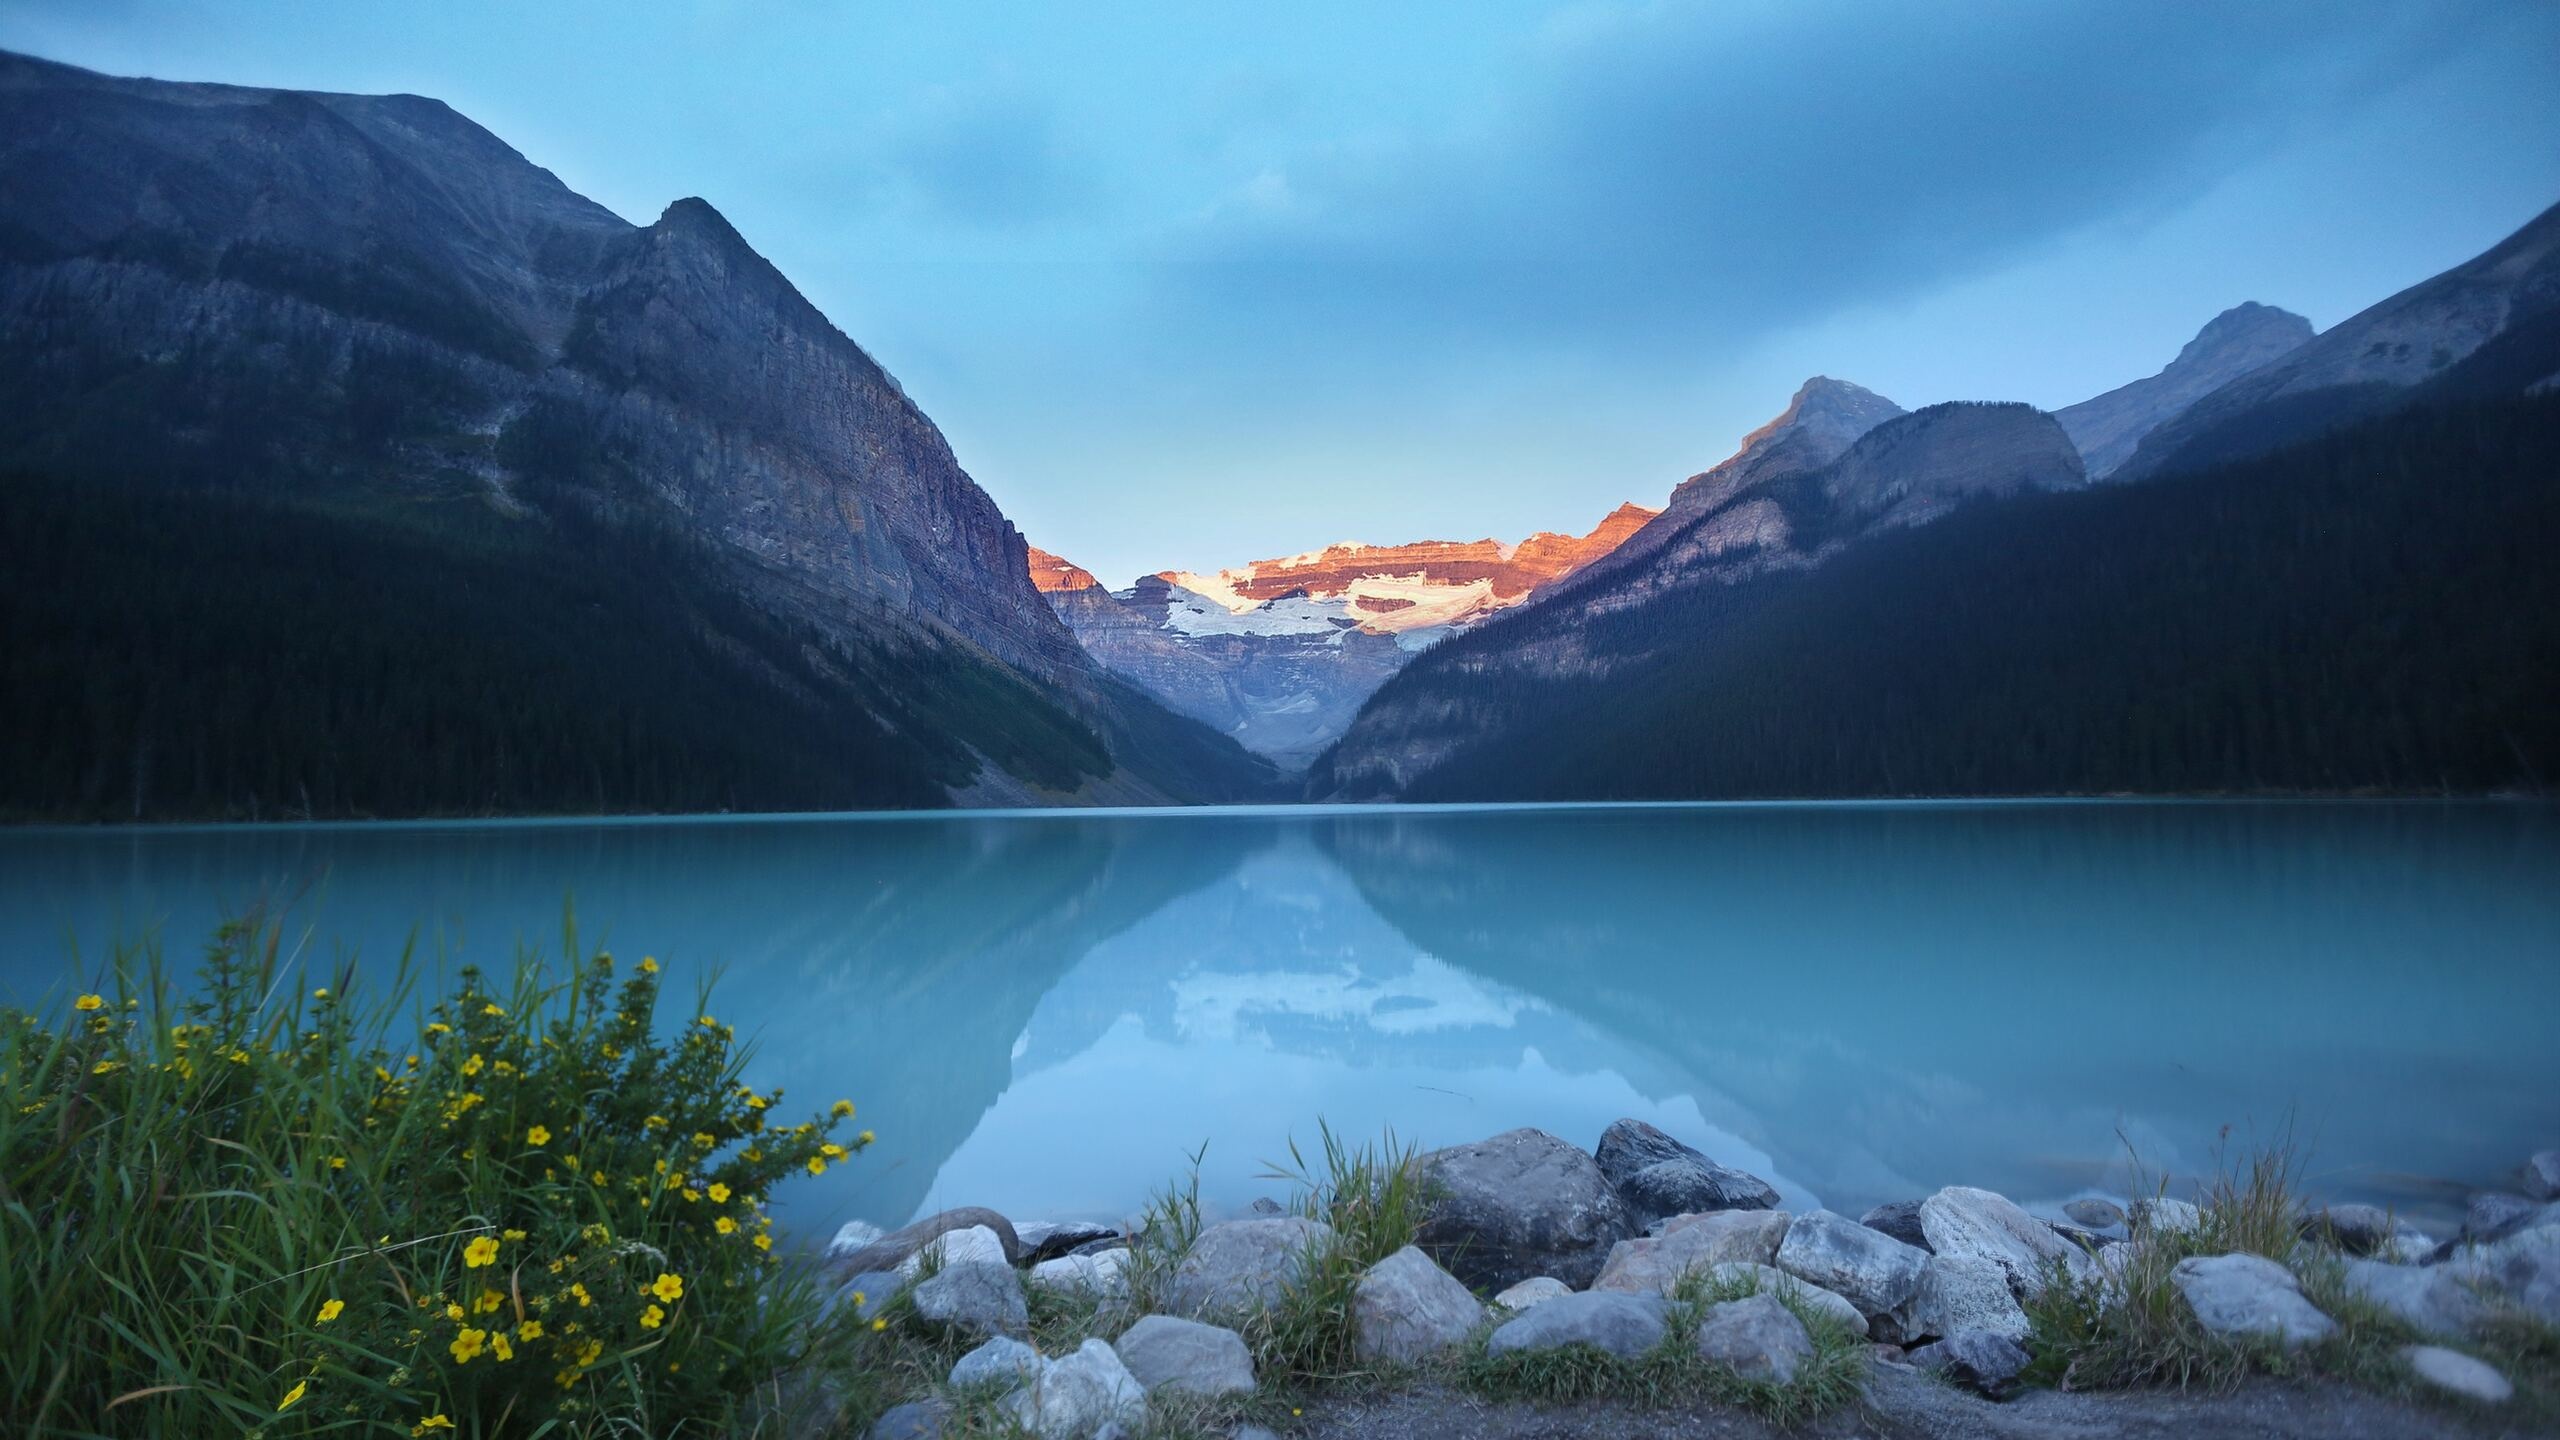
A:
(267, 1206)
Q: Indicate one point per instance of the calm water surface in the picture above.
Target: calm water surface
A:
(1047, 1013)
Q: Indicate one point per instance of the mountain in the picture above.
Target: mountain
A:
(707, 541)
(1279, 654)
(1839, 466)
(2490, 326)
(2242, 339)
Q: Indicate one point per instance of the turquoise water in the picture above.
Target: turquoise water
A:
(1048, 1012)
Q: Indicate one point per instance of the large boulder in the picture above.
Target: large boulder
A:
(1978, 1359)
(892, 1249)
(1520, 1204)
(2494, 1215)
(1623, 1325)
(2160, 1215)
(2542, 1176)
(2433, 1299)
(1081, 1395)
(1244, 1265)
(1102, 1275)
(968, 1245)
(2237, 1297)
(1899, 1219)
(2526, 1265)
(974, 1299)
(1405, 1307)
(1981, 1225)
(1963, 1292)
(1166, 1352)
(1531, 1291)
(1874, 1271)
(1653, 1264)
(2356, 1229)
(1756, 1338)
(1656, 1175)
(1002, 1365)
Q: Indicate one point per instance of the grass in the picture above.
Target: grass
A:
(281, 1203)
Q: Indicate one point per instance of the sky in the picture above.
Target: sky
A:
(1193, 282)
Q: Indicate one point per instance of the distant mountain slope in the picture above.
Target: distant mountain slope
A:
(2373, 610)
(2506, 302)
(367, 309)
(2242, 339)
(1802, 490)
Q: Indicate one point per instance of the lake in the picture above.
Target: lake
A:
(1049, 1012)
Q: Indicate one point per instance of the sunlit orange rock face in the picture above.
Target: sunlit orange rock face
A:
(1049, 572)
(1512, 571)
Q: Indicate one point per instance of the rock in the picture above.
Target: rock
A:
(2163, 1216)
(1656, 1175)
(2095, 1213)
(969, 1245)
(1623, 1325)
(1981, 1225)
(1773, 1281)
(2526, 1265)
(889, 1250)
(2495, 1216)
(2434, 1299)
(1963, 1292)
(2542, 1176)
(1252, 1432)
(2249, 1296)
(1082, 1395)
(851, 1239)
(1652, 1265)
(1265, 1206)
(1899, 1219)
(1048, 1239)
(2356, 1229)
(1977, 1359)
(1530, 1291)
(1003, 1364)
(915, 1420)
(1096, 1247)
(975, 1298)
(1520, 1204)
(1186, 1356)
(2457, 1373)
(1889, 1354)
(2408, 1247)
(1871, 1269)
(1406, 1307)
(868, 1292)
(2080, 1238)
(1756, 1338)
(1244, 1265)
(1103, 1275)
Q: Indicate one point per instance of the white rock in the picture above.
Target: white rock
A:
(1406, 1308)
(1102, 1275)
(1003, 1361)
(1081, 1395)
(2236, 1296)
(971, 1245)
(1963, 1292)
(1168, 1352)
(2163, 1216)
(1978, 1224)
(2434, 1299)
(1876, 1272)
(1774, 1281)
(1530, 1291)
(1243, 1265)
(2454, 1371)
(852, 1236)
(1756, 1338)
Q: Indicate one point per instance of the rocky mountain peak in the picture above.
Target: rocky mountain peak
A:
(1051, 573)
(2245, 326)
(2240, 341)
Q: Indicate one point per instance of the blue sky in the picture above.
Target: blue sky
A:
(1189, 283)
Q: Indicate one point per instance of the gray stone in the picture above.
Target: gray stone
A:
(2542, 1176)
(1003, 1364)
(968, 1245)
(975, 1298)
(1963, 1292)
(1522, 1203)
(1899, 1219)
(2526, 1265)
(1265, 1206)
(1103, 1275)
(2457, 1373)
(915, 1420)
(1874, 1271)
(1244, 1265)
(851, 1239)
(1652, 1265)
(1406, 1307)
(1531, 1291)
(1981, 1225)
(1185, 1355)
(1048, 1239)
(889, 1250)
(1978, 1359)
(2095, 1213)
(1756, 1338)
(1623, 1325)
(1656, 1176)
(1097, 1247)
(2495, 1216)
(1252, 1432)
(2249, 1297)
(1082, 1395)
(2433, 1299)
(2408, 1247)
(2356, 1229)
(2163, 1216)
(1771, 1280)
(868, 1293)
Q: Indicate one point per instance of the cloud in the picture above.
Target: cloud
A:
(1674, 174)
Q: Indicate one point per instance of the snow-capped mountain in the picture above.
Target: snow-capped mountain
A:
(1280, 653)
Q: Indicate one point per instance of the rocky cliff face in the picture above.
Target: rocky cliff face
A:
(2499, 312)
(319, 294)
(2242, 339)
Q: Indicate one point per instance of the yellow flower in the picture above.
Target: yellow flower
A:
(432, 1422)
(833, 1151)
(104, 1067)
(725, 1225)
(454, 1312)
(720, 1192)
(764, 1242)
(707, 1023)
(468, 1344)
(817, 1165)
(648, 965)
(510, 1234)
(597, 1178)
(584, 1299)
(538, 1135)
(669, 1288)
(90, 1002)
(842, 1109)
(589, 1352)
(337, 1162)
(331, 1309)
(473, 1065)
(654, 1122)
(480, 1252)
(491, 1010)
(439, 1028)
(564, 1378)
(320, 994)
(489, 1300)
(865, 1137)
(300, 1389)
(498, 1346)
(880, 1324)
(652, 1318)
(529, 1330)
(704, 1139)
